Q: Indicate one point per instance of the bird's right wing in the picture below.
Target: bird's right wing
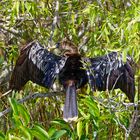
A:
(37, 64)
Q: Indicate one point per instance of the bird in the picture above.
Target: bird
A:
(74, 71)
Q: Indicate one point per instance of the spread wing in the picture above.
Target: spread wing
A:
(37, 64)
(110, 72)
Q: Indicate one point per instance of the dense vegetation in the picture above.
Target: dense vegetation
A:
(96, 27)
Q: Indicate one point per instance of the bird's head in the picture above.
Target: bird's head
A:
(68, 48)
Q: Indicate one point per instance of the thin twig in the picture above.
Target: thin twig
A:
(85, 41)
(12, 31)
(6, 93)
(110, 69)
(55, 19)
(116, 82)
(133, 121)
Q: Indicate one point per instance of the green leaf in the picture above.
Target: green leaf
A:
(106, 31)
(28, 6)
(14, 105)
(17, 120)
(58, 134)
(111, 27)
(23, 6)
(25, 115)
(114, 50)
(124, 56)
(2, 137)
(39, 132)
(106, 117)
(92, 16)
(62, 123)
(87, 128)
(73, 18)
(51, 131)
(17, 8)
(93, 108)
(27, 132)
(79, 129)
(85, 116)
(12, 137)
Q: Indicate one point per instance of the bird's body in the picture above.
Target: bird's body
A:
(73, 70)
(72, 77)
(37, 64)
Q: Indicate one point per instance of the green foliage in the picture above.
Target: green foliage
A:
(22, 129)
(94, 117)
(107, 25)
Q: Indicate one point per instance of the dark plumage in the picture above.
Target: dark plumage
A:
(72, 77)
(110, 72)
(37, 64)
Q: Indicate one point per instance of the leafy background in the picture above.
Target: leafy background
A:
(96, 27)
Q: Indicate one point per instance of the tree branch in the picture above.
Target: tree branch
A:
(32, 96)
(54, 21)
(12, 31)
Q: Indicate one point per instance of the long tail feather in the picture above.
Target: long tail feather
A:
(70, 107)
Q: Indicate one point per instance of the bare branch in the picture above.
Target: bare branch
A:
(6, 93)
(12, 31)
(54, 21)
(133, 121)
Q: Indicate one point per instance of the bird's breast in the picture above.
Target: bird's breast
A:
(73, 70)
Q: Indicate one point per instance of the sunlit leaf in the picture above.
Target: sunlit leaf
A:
(93, 108)
(124, 55)
(79, 129)
(51, 131)
(28, 6)
(87, 128)
(27, 132)
(39, 132)
(25, 115)
(13, 104)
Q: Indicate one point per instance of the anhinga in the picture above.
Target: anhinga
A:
(37, 64)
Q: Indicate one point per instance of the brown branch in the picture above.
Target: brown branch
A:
(32, 96)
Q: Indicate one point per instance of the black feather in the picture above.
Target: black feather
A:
(36, 64)
(109, 71)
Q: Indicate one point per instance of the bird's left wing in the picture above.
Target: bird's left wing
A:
(110, 72)
(98, 67)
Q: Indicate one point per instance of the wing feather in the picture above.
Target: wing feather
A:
(37, 64)
(109, 71)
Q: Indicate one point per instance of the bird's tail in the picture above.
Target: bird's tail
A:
(70, 112)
